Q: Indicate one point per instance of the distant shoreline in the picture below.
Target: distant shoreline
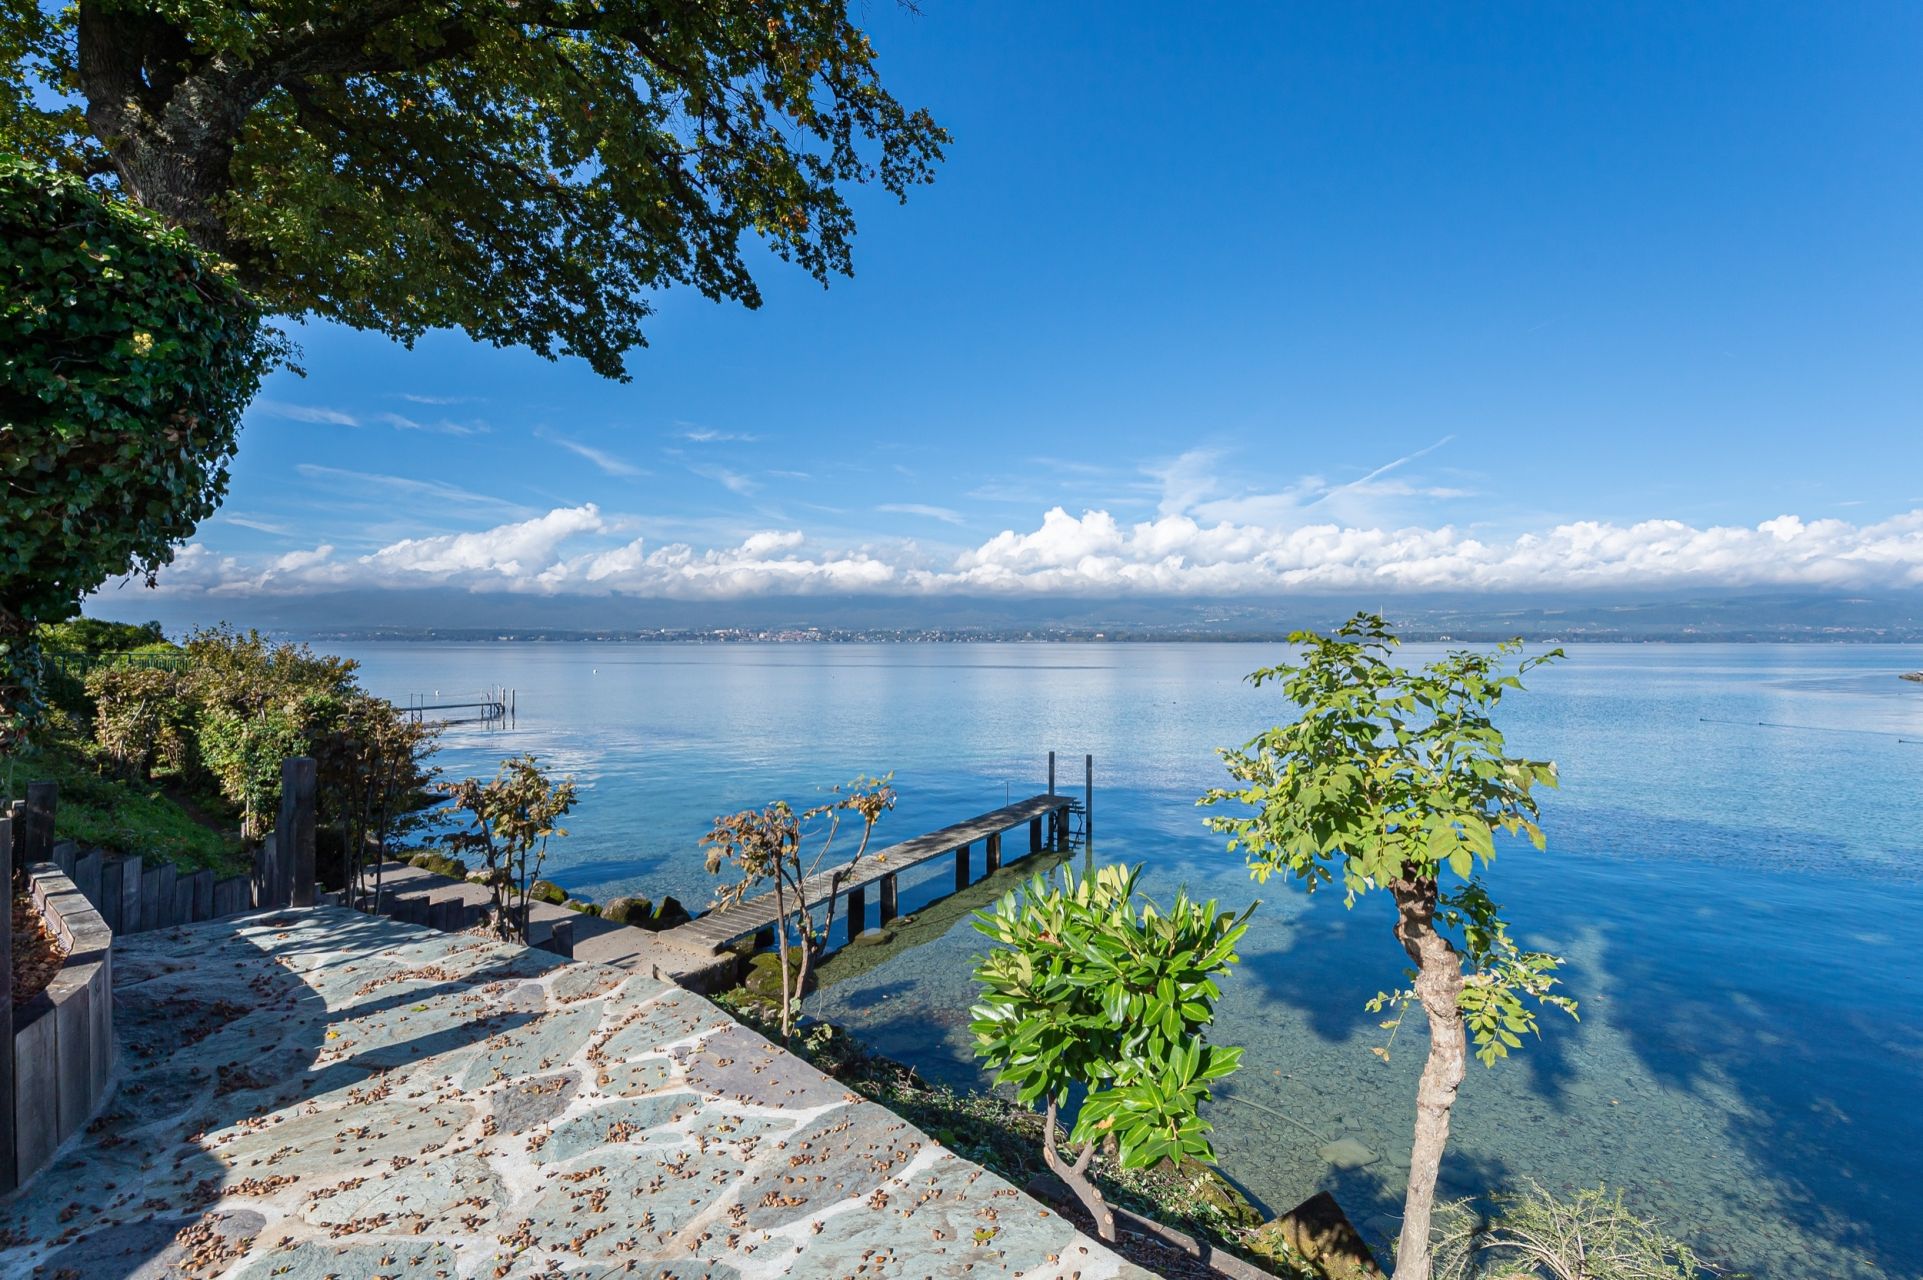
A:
(725, 636)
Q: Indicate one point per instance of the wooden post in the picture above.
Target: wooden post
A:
(42, 799)
(1088, 801)
(1051, 773)
(857, 913)
(993, 861)
(267, 873)
(890, 902)
(8, 1178)
(1034, 835)
(295, 829)
(961, 868)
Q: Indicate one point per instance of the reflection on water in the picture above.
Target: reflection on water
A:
(1732, 895)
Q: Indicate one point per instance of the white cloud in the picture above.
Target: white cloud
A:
(608, 462)
(574, 549)
(522, 552)
(376, 484)
(944, 514)
(708, 435)
(445, 427)
(306, 413)
(733, 481)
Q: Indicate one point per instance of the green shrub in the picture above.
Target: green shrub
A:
(1088, 992)
(141, 717)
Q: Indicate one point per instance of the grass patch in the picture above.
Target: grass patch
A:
(98, 810)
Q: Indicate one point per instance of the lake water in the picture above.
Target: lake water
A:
(1735, 860)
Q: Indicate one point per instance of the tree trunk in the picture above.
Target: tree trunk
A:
(781, 950)
(169, 115)
(1438, 985)
(1075, 1177)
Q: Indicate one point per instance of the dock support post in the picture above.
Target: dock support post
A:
(1088, 800)
(1051, 773)
(764, 938)
(890, 901)
(1034, 835)
(857, 913)
(961, 868)
(992, 862)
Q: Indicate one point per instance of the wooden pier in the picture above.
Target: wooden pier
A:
(496, 707)
(1047, 819)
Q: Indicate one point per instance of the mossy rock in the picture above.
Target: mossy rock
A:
(764, 974)
(872, 938)
(547, 891)
(669, 914)
(1221, 1195)
(634, 910)
(585, 907)
(452, 868)
(1316, 1237)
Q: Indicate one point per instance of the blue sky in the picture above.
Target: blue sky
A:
(1261, 298)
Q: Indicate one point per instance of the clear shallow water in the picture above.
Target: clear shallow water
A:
(1737, 898)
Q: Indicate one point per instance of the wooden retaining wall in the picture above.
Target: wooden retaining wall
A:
(63, 1047)
(63, 1038)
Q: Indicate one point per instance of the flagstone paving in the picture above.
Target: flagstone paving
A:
(312, 1094)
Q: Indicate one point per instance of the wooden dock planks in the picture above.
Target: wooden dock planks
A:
(717, 929)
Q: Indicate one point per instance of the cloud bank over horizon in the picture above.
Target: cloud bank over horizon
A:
(582, 550)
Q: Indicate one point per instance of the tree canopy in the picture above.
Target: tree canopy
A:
(526, 170)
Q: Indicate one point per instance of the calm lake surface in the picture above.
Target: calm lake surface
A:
(1734, 862)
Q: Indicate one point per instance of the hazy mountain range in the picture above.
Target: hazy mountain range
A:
(451, 613)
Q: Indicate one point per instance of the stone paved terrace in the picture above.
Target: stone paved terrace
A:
(310, 1094)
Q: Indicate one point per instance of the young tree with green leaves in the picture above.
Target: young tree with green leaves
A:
(1397, 780)
(776, 844)
(526, 170)
(512, 819)
(1091, 990)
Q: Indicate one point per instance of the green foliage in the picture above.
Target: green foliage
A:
(95, 637)
(142, 717)
(370, 768)
(106, 810)
(524, 169)
(1500, 975)
(129, 358)
(257, 703)
(513, 817)
(778, 845)
(1537, 1235)
(1396, 777)
(1087, 992)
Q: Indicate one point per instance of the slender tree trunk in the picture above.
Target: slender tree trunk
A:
(1075, 1177)
(1438, 985)
(781, 949)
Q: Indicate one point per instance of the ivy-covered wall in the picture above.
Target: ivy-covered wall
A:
(126, 358)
